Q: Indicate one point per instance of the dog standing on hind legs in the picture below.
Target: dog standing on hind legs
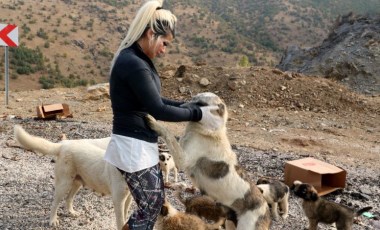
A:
(80, 163)
(205, 154)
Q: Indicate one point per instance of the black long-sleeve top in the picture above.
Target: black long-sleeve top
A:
(135, 91)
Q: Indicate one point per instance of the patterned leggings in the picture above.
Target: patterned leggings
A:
(147, 188)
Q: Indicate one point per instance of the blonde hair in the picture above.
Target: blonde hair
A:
(150, 15)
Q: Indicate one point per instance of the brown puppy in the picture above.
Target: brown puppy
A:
(319, 210)
(172, 219)
(276, 194)
(203, 206)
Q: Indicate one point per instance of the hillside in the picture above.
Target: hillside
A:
(75, 40)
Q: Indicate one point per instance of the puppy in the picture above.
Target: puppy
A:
(202, 206)
(276, 194)
(167, 164)
(172, 219)
(206, 156)
(319, 210)
(80, 163)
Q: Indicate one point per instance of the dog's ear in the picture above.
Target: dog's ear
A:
(222, 109)
(314, 196)
(164, 210)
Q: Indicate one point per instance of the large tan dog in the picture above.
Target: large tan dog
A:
(80, 163)
(206, 156)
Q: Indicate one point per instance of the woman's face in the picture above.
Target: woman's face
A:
(157, 45)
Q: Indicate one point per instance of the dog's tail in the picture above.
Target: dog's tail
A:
(361, 211)
(35, 143)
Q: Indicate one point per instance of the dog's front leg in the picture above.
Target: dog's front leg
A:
(170, 140)
(284, 206)
(175, 174)
(313, 223)
(166, 173)
(274, 210)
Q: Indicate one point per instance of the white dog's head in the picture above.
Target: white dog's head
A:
(166, 160)
(211, 99)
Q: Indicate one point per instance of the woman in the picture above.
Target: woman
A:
(135, 92)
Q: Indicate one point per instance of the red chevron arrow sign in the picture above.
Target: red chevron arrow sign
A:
(8, 35)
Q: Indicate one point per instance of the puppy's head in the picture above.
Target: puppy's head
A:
(210, 99)
(305, 191)
(164, 158)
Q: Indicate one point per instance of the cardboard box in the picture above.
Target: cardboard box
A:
(53, 110)
(324, 177)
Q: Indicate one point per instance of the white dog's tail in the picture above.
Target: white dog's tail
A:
(35, 143)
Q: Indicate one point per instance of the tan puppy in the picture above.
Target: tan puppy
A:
(172, 219)
(80, 163)
(167, 164)
(205, 154)
(276, 194)
(319, 210)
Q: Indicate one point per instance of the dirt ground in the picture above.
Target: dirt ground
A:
(273, 115)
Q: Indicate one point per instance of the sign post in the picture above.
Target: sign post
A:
(8, 37)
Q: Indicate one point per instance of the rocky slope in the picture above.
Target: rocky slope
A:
(350, 54)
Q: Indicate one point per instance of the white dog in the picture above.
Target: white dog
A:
(167, 164)
(205, 154)
(80, 163)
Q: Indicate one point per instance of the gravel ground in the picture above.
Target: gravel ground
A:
(27, 179)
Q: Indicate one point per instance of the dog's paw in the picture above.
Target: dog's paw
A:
(179, 186)
(153, 124)
(54, 222)
(74, 213)
(284, 216)
(276, 217)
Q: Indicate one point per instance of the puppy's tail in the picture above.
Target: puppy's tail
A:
(34, 143)
(363, 210)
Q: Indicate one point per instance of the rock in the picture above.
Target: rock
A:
(98, 91)
(204, 82)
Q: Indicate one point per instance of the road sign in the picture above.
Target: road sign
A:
(8, 35)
